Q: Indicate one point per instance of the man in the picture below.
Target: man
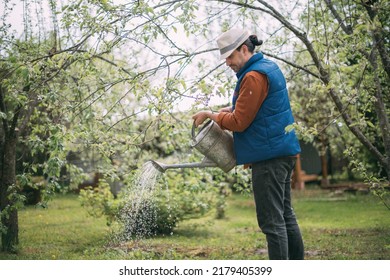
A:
(258, 118)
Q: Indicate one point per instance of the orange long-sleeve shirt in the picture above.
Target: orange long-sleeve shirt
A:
(253, 91)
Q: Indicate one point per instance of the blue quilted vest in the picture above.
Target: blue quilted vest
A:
(266, 138)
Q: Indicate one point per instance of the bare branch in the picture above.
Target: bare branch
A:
(293, 65)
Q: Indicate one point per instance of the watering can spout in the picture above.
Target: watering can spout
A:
(162, 167)
(214, 143)
(159, 166)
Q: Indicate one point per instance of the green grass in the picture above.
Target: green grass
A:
(337, 227)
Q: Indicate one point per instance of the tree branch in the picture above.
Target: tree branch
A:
(125, 118)
(301, 35)
(3, 110)
(346, 28)
(381, 110)
(377, 35)
(293, 65)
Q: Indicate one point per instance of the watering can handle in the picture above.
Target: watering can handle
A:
(193, 128)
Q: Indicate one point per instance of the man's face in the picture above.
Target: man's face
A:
(236, 60)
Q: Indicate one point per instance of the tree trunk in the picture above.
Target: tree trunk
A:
(9, 217)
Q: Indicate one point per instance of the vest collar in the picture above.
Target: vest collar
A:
(256, 57)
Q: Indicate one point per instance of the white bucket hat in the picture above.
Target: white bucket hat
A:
(231, 40)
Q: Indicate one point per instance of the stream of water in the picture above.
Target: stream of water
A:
(139, 214)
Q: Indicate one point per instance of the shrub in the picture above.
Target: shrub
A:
(177, 196)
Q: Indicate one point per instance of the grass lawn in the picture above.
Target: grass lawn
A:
(334, 226)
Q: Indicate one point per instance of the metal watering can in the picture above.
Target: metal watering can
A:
(214, 143)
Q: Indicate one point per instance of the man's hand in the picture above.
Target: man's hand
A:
(201, 116)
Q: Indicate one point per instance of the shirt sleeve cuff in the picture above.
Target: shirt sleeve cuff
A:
(220, 119)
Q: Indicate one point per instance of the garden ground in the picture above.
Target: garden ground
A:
(335, 226)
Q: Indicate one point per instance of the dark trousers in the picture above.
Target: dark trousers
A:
(276, 218)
